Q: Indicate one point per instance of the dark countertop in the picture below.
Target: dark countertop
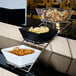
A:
(38, 69)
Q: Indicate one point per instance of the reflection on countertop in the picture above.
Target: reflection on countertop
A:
(70, 31)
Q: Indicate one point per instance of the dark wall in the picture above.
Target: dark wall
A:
(13, 16)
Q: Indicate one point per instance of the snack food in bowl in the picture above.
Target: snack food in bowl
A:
(21, 51)
(54, 15)
(20, 61)
(41, 29)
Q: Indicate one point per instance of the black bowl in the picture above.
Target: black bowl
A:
(37, 38)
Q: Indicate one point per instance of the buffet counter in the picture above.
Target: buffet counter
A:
(60, 53)
(10, 31)
(16, 39)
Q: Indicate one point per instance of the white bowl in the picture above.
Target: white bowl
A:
(20, 61)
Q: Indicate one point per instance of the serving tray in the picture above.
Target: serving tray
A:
(40, 10)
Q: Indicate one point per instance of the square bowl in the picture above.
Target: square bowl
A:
(35, 37)
(20, 61)
(46, 14)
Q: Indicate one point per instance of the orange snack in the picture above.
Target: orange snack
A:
(21, 52)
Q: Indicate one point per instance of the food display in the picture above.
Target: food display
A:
(21, 52)
(20, 55)
(54, 15)
(39, 34)
(41, 29)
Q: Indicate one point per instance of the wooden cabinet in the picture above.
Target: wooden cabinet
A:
(4, 72)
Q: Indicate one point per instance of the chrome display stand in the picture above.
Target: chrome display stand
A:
(43, 46)
(40, 45)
